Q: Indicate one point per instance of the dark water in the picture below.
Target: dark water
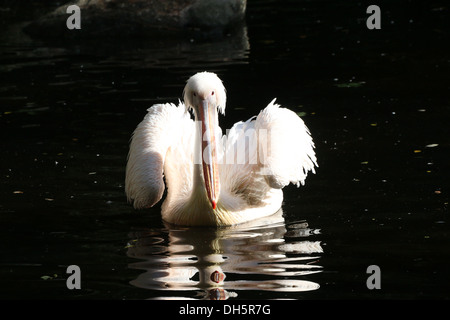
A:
(377, 104)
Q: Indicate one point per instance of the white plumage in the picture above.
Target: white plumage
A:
(214, 178)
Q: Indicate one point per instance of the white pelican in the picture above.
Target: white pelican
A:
(215, 179)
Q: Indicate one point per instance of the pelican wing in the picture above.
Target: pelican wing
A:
(160, 130)
(286, 150)
(266, 153)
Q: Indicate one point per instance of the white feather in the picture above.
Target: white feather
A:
(162, 128)
(290, 149)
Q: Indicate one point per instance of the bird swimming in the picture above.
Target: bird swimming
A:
(215, 179)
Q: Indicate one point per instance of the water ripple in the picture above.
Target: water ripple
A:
(219, 263)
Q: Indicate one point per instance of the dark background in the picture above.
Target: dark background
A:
(376, 102)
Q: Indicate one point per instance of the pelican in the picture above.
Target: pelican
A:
(215, 179)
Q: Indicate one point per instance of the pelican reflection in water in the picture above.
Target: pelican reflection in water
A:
(218, 262)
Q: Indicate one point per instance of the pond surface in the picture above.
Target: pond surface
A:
(377, 105)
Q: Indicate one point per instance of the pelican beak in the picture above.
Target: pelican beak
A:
(208, 118)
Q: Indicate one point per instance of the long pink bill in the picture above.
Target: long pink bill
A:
(208, 118)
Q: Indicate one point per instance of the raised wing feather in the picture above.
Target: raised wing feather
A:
(289, 149)
(266, 153)
(158, 131)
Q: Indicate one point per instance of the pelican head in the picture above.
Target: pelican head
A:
(205, 95)
(205, 86)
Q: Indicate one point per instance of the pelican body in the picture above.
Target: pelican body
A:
(215, 179)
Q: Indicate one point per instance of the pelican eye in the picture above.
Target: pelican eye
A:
(194, 94)
(212, 93)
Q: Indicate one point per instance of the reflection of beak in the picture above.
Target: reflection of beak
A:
(208, 120)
